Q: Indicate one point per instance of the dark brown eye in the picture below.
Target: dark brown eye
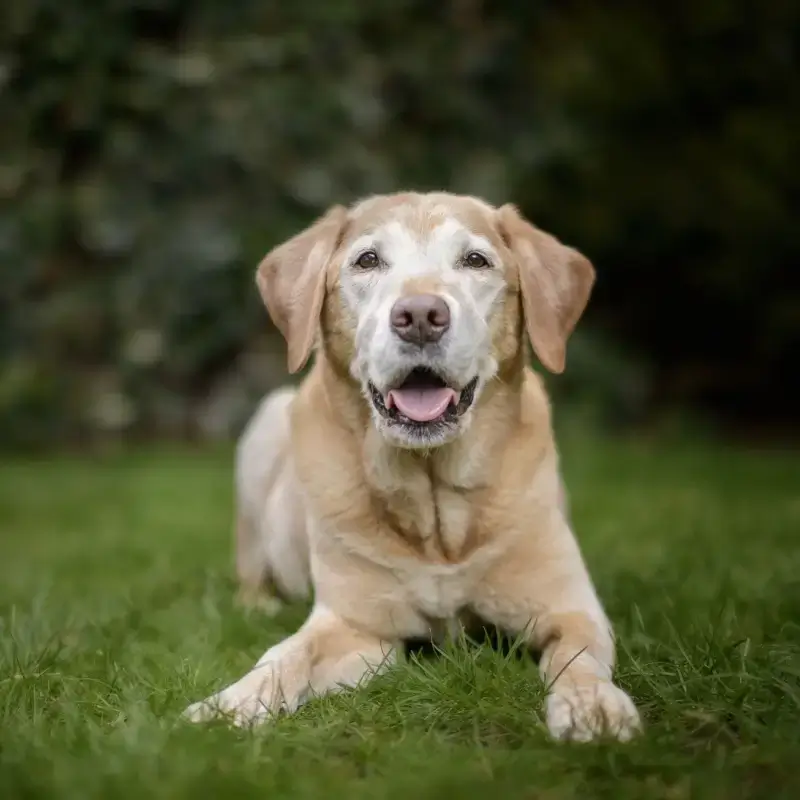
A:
(368, 260)
(475, 261)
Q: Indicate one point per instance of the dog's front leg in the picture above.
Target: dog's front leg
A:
(325, 655)
(543, 591)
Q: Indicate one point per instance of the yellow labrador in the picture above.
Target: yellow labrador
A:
(412, 480)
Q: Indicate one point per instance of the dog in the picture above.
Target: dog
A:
(412, 480)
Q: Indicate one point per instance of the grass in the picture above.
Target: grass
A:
(116, 611)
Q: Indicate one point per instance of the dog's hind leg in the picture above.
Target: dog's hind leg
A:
(256, 588)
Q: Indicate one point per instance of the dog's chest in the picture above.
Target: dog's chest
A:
(439, 593)
(436, 520)
(440, 525)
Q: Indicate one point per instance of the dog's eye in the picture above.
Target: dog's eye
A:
(475, 261)
(368, 260)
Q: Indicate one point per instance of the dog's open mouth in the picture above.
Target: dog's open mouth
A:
(423, 398)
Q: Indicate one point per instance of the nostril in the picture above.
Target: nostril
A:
(401, 318)
(439, 314)
(437, 318)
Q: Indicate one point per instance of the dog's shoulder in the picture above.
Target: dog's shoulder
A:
(527, 467)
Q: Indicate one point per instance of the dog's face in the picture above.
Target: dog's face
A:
(422, 299)
(424, 283)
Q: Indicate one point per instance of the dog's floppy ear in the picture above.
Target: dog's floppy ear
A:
(291, 279)
(555, 282)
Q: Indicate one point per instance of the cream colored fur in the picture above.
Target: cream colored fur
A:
(400, 540)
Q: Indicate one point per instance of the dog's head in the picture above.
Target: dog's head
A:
(422, 299)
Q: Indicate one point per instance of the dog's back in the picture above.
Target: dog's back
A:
(271, 542)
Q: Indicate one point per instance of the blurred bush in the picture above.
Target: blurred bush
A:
(153, 150)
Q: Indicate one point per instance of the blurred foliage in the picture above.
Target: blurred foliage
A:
(152, 150)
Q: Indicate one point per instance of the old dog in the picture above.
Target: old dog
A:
(411, 483)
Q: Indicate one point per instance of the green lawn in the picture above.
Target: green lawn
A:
(116, 611)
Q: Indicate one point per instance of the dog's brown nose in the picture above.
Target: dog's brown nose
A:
(420, 318)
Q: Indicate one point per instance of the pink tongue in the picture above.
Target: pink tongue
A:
(421, 405)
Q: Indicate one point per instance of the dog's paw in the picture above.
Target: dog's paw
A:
(254, 699)
(258, 601)
(580, 714)
(245, 713)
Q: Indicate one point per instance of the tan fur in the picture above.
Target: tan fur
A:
(421, 286)
(406, 543)
(556, 283)
(291, 282)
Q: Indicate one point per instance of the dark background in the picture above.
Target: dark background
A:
(152, 151)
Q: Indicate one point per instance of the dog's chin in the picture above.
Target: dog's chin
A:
(417, 414)
(418, 437)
